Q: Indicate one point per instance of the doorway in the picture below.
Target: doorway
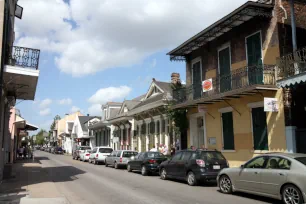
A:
(197, 130)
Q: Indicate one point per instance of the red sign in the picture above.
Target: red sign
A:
(207, 85)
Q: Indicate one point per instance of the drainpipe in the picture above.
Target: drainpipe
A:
(293, 26)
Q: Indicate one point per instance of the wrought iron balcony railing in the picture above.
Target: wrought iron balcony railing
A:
(292, 64)
(23, 57)
(237, 79)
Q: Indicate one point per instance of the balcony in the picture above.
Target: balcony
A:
(292, 68)
(238, 82)
(21, 72)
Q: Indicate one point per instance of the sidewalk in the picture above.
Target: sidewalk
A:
(30, 184)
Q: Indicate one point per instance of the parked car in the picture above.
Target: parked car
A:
(146, 162)
(120, 158)
(78, 150)
(99, 154)
(84, 156)
(58, 150)
(277, 175)
(194, 166)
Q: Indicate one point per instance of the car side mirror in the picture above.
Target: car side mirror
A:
(132, 158)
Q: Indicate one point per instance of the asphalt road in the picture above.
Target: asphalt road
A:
(84, 183)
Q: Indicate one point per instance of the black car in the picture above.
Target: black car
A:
(146, 162)
(194, 166)
(58, 150)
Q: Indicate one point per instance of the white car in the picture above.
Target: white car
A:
(99, 154)
(84, 156)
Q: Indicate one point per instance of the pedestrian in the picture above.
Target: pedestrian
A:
(165, 150)
(153, 149)
(25, 152)
(172, 150)
(21, 152)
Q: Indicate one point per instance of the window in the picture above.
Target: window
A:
(259, 123)
(177, 157)
(143, 129)
(141, 156)
(163, 130)
(154, 155)
(158, 127)
(152, 127)
(228, 131)
(129, 154)
(211, 156)
(278, 163)
(302, 160)
(84, 148)
(186, 156)
(119, 154)
(94, 150)
(257, 163)
(105, 150)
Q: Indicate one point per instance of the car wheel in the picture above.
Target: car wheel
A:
(106, 165)
(116, 165)
(144, 170)
(163, 174)
(94, 162)
(292, 195)
(129, 169)
(191, 179)
(225, 184)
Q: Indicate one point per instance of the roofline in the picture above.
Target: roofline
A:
(249, 3)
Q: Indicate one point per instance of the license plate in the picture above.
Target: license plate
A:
(216, 167)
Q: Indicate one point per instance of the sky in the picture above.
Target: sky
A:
(96, 51)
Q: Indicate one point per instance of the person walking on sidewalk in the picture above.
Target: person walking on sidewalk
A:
(20, 152)
(25, 152)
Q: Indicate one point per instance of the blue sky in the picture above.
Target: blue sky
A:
(95, 51)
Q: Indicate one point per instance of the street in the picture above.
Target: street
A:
(81, 182)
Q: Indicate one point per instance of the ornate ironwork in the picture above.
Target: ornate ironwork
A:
(237, 79)
(23, 57)
(292, 64)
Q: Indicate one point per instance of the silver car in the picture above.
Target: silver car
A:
(119, 158)
(277, 175)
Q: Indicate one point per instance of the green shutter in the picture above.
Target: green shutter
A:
(228, 131)
(254, 57)
(259, 123)
(225, 70)
(197, 80)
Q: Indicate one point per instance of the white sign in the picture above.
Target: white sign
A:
(271, 105)
(207, 85)
(115, 139)
(202, 109)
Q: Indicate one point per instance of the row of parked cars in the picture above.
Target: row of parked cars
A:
(277, 175)
(53, 150)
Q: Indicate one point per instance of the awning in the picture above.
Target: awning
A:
(291, 81)
(242, 14)
(31, 127)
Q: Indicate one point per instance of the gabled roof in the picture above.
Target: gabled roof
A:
(113, 112)
(84, 119)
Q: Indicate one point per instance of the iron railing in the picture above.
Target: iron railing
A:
(291, 64)
(23, 57)
(237, 79)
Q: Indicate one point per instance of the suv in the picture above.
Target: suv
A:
(79, 149)
(119, 158)
(194, 166)
(99, 154)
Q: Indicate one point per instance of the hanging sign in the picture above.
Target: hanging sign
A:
(271, 105)
(207, 85)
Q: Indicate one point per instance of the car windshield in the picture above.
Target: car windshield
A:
(211, 156)
(105, 150)
(154, 154)
(302, 160)
(129, 154)
(83, 148)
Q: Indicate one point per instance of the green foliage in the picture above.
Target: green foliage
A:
(40, 139)
(57, 117)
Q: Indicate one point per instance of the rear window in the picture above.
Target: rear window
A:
(211, 156)
(154, 154)
(83, 148)
(88, 151)
(129, 154)
(105, 150)
(302, 160)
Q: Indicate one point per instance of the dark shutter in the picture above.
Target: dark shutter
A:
(143, 129)
(163, 126)
(260, 136)
(225, 70)
(255, 69)
(158, 127)
(228, 131)
(196, 80)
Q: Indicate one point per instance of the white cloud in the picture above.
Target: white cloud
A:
(65, 101)
(104, 35)
(45, 103)
(44, 112)
(104, 95)
(75, 109)
(183, 82)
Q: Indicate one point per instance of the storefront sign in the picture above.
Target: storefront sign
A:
(207, 85)
(271, 105)
(202, 109)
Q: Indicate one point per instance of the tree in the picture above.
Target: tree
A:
(57, 117)
(40, 139)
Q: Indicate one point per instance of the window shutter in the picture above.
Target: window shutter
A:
(152, 127)
(228, 131)
(163, 126)
(158, 127)
(260, 135)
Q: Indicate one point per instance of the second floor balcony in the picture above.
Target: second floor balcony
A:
(23, 57)
(238, 81)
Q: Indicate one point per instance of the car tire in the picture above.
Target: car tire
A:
(129, 169)
(94, 162)
(106, 165)
(191, 179)
(163, 174)
(290, 193)
(144, 170)
(116, 165)
(225, 184)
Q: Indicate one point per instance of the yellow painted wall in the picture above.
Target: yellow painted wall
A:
(243, 128)
(61, 124)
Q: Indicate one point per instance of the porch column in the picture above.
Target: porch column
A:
(160, 131)
(121, 136)
(139, 138)
(147, 137)
(155, 135)
(167, 133)
(290, 128)
(128, 136)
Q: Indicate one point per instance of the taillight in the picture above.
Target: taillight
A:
(200, 162)
(152, 161)
(120, 160)
(97, 155)
(87, 154)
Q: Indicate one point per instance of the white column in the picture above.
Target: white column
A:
(291, 139)
(128, 142)
(139, 139)
(155, 134)
(147, 137)
(160, 131)
(166, 132)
